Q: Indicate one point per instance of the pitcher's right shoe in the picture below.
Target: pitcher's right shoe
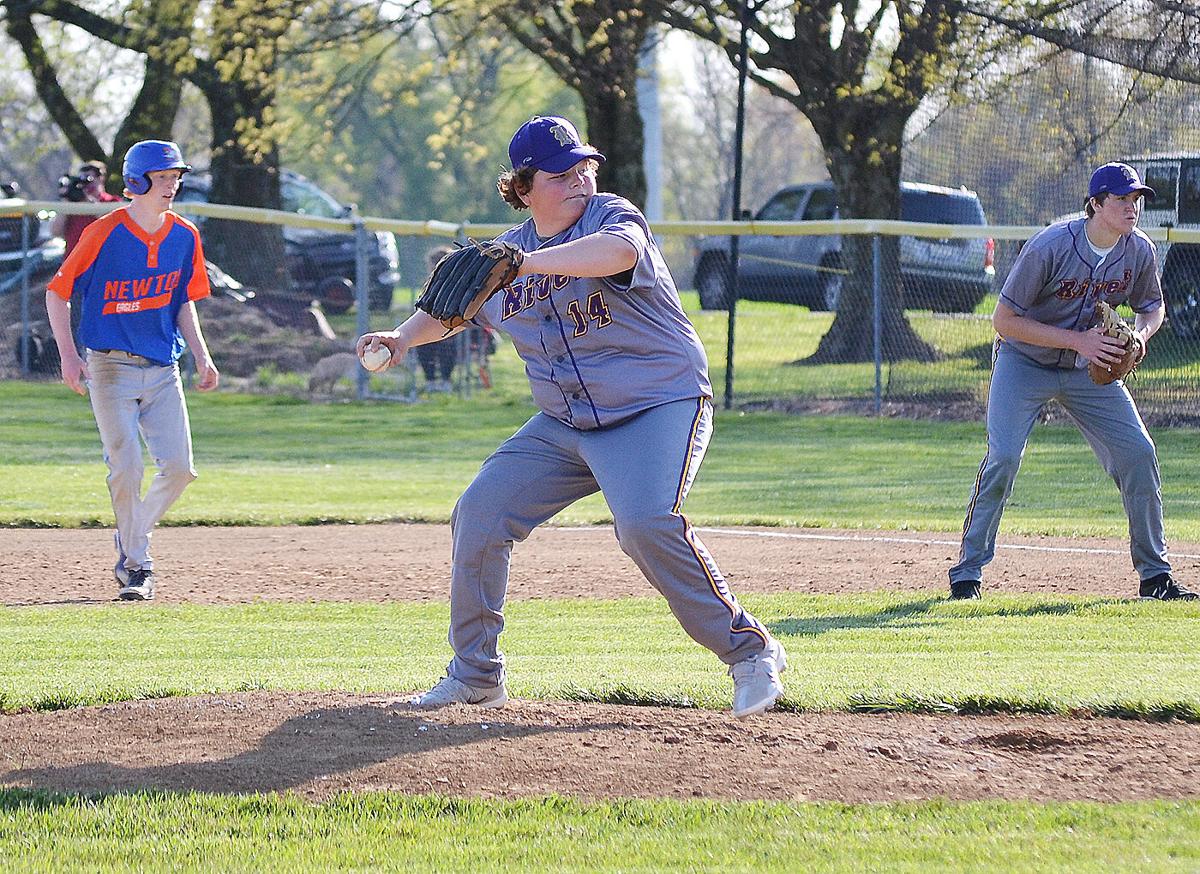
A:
(452, 691)
(756, 683)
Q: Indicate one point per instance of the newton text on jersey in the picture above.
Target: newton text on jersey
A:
(137, 295)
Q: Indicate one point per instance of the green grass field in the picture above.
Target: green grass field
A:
(190, 832)
(266, 460)
(863, 652)
(275, 460)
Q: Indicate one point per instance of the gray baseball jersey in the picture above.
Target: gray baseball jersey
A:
(1058, 278)
(626, 409)
(598, 351)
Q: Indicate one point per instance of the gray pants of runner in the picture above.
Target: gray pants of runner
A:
(644, 467)
(132, 396)
(1112, 426)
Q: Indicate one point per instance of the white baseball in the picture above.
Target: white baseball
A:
(377, 359)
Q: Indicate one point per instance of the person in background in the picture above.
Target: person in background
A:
(86, 186)
(437, 359)
(1044, 342)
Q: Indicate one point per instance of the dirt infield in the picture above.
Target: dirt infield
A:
(375, 563)
(318, 744)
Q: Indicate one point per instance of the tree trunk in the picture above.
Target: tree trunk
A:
(243, 175)
(863, 144)
(45, 81)
(615, 128)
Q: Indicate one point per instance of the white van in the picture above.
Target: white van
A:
(1175, 178)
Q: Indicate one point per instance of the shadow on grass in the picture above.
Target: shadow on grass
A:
(921, 611)
(893, 616)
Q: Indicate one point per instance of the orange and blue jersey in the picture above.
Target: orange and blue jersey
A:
(131, 285)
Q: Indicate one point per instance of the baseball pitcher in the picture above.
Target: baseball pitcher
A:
(621, 381)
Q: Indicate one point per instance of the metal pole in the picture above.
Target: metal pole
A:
(877, 327)
(738, 141)
(650, 109)
(25, 268)
(362, 297)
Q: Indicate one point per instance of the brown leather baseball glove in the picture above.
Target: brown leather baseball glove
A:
(465, 278)
(1135, 347)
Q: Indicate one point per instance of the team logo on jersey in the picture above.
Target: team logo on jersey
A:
(138, 295)
(522, 295)
(1070, 289)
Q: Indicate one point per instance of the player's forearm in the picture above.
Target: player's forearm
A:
(1147, 324)
(189, 326)
(594, 255)
(1011, 326)
(59, 313)
(421, 328)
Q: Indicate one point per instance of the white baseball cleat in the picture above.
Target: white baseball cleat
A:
(451, 691)
(139, 586)
(756, 683)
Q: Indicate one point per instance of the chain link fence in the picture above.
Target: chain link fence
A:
(820, 316)
(907, 332)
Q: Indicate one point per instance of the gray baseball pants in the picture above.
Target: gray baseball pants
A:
(1113, 428)
(131, 395)
(645, 467)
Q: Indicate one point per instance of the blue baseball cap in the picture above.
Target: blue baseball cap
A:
(550, 143)
(1116, 178)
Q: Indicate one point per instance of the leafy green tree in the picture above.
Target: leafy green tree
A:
(232, 52)
(595, 47)
(152, 110)
(414, 127)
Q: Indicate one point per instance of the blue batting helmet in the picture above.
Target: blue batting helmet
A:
(145, 157)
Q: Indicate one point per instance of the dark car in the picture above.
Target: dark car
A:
(321, 263)
(39, 262)
(947, 275)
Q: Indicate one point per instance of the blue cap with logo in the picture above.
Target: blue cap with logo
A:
(550, 143)
(1117, 178)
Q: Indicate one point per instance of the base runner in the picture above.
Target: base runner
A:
(136, 275)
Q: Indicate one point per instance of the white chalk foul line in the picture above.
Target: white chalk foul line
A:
(796, 535)
(864, 538)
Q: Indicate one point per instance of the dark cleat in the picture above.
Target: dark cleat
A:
(964, 590)
(1164, 588)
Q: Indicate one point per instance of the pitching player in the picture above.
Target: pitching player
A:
(136, 275)
(1042, 352)
(621, 381)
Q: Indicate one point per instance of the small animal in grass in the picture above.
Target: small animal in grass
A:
(329, 370)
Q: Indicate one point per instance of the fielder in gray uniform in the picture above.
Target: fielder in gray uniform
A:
(621, 381)
(1042, 352)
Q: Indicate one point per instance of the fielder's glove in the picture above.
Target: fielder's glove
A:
(464, 279)
(1135, 346)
